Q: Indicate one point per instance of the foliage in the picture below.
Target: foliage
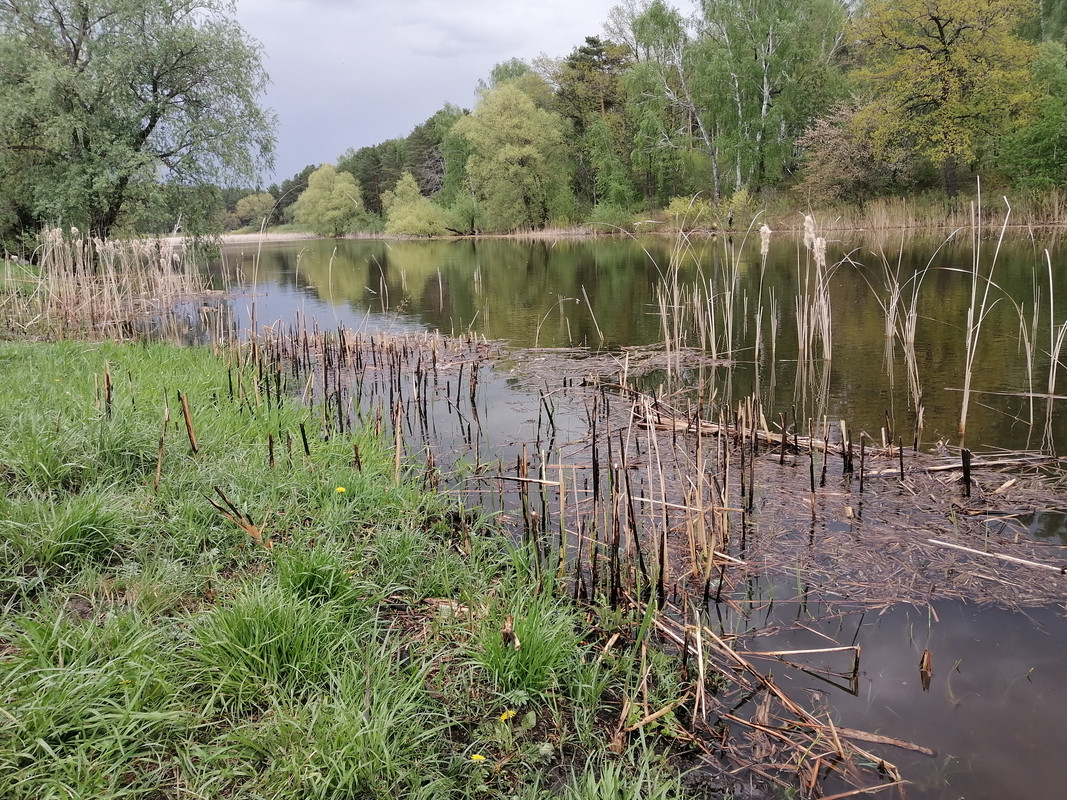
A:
(517, 165)
(738, 83)
(517, 73)
(608, 218)
(690, 213)
(288, 193)
(775, 61)
(331, 205)
(98, 98)
(376, 169)
(943, 75)
(254, 209)
(408, 213)
(592, 96)
(424, 149)
(841, 162)
(1035, 152)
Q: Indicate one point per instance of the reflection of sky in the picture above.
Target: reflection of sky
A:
(994, 712)
(286, 304)
(532, 293)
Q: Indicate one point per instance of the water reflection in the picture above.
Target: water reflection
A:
(899, 317)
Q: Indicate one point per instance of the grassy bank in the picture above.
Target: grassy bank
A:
(202, 605)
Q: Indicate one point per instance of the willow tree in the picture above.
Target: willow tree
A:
(517, 168)
(100, 100)
(332, 205)
(946, 76)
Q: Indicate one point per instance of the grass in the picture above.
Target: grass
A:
(151, 647)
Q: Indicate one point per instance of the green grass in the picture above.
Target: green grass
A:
(149, 647)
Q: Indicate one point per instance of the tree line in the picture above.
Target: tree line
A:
(731, 102)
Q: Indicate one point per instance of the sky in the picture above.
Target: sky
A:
(353, 73)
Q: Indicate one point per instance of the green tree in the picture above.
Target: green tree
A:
(1035, 152)
(517, 166)
(287, 194)
(331, 205)
(254, 209)
(775, 62)
(521, 75)
(408, 213)
(946, 76)
(376, 168)
(99, 98)
(672, 110)
(592, 96)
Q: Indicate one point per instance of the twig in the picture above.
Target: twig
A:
(1062, 570)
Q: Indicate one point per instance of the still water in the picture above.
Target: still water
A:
(602, 295)
(993, 711)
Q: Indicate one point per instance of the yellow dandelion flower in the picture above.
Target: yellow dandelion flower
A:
(340, 489)
(477, 757)
(507, 715)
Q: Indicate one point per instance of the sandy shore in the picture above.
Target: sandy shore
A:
(247, 238)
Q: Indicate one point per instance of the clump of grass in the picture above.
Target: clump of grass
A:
(377, 735)
(269, 641)
(75, 531)
(89, 709)
(529, 644)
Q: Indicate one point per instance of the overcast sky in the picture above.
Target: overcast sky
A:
(352, 73)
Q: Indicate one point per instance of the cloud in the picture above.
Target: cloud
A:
(352, 74)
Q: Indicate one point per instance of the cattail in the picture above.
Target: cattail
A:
(809, 231)
(818, 248)
(764, 241)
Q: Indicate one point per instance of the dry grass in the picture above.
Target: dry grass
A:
(78, 285)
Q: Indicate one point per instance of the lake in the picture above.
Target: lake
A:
(878, 337)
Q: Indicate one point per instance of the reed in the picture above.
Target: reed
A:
(980, 305)
(86, 286)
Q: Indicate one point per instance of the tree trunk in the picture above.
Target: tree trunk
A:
(952, 180)
(117, 197)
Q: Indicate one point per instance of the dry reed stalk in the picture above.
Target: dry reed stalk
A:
(187, 415)
(977, 311)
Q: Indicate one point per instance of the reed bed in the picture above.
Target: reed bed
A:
(82, 286)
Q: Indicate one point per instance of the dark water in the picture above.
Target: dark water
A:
(994, 708)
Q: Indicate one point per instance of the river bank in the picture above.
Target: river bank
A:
(207, 593)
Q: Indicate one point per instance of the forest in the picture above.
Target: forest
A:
(737, 103)
(708, 111)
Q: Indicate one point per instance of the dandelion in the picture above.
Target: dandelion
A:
(477, 757)
(340, 490)
(507, 715)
